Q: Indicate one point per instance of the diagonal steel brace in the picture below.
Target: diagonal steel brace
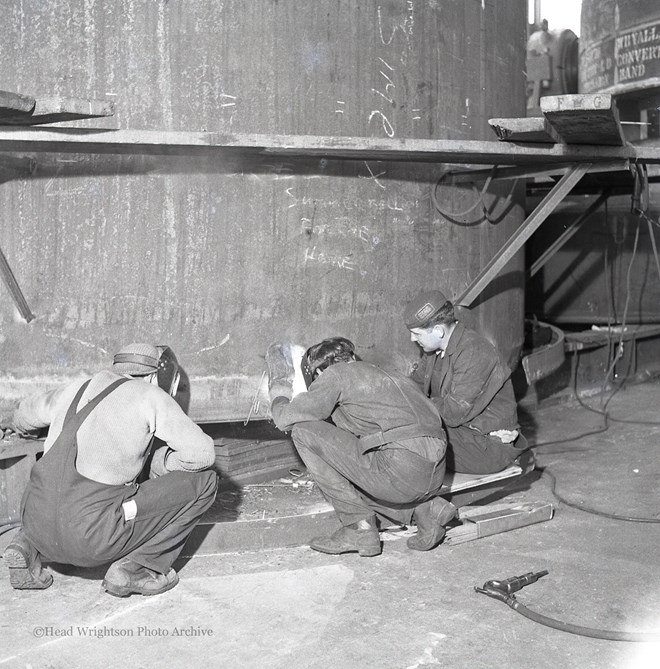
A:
(14, 289)
(568, 233)
(549, 203)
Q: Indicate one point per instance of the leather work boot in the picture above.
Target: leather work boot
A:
(431, 518)
(361, 537)
(24, 562)
(126, 577)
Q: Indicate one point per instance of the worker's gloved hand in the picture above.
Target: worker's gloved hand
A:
(7, 428)
(280, 371)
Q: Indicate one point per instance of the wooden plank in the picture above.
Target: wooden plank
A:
(468, 152)
(15, 102)
(588, 339)
(522, 234)
(526, 129)
(496, 519)
(455, 482)
(15, 447)
(56, 110)
(584, 119)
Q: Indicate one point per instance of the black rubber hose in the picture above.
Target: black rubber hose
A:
(580, 507)
(9, 526)
(579, 629)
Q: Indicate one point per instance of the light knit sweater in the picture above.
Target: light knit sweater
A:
(113, 442)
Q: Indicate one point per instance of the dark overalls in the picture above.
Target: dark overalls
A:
(73, 520)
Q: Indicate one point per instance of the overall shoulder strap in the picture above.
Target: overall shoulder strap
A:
(71, 411)
(101, 396)
(86, 410)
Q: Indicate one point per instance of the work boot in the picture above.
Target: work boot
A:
(431, 518)
(126, 577)
(361, 537)
(24, 562)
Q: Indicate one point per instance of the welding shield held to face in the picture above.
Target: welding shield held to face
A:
(145, 359)
(169, 372)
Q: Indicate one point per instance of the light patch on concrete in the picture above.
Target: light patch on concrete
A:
(266, 619)
(644, 655)
(427, 657)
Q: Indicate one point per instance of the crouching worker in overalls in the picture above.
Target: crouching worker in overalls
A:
(83, 506)
(382, 455)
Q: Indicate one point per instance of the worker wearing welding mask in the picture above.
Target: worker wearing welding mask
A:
(84, 506)
(466, 379)
(380, 456)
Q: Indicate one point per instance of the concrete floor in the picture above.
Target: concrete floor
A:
(292, 607)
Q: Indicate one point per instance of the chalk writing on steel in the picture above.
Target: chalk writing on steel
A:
(406, 27)
(387, 94)
(335, 260)
(373, 176)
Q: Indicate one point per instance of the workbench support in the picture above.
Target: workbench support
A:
(14, 289)
(523, 233)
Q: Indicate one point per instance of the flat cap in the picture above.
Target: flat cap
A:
(422, 308)
(136, 359)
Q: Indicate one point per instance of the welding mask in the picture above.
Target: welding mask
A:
(307, 370)
(144, 359)
(310, 370)
(322, 355)
(168, 374)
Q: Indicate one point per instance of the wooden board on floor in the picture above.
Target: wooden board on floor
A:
(455, 482)
(584, 119)
(494, 519)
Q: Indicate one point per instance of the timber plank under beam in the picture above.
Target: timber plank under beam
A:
(57, 110)
(15, 102)
(584, 119)
(526, 129)
(465, 152)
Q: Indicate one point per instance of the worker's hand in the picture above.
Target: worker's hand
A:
(7, 429)
(280, 371)
(158, 465)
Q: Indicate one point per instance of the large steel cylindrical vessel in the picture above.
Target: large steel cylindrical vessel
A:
(619, 46)
(219, 256)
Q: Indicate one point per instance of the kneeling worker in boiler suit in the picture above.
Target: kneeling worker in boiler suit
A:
(382, 455)
(83, 506)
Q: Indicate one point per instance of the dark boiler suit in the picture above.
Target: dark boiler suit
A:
(384, 450)
(471, 387)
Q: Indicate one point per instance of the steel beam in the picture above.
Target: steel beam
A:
(468, 152)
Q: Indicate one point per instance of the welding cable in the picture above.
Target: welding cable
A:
(8, 526)
(654, 246)
(453, 215)
(505, 205)
(480, 200)
(580, 507)
(592, 632)
(617, 356)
